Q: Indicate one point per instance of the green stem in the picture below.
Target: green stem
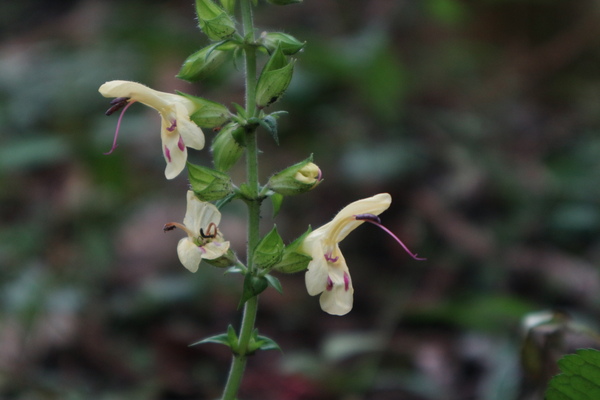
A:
(238, 363)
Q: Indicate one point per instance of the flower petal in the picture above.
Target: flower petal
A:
(174, 154)
(215, 249)
(338, 298)
(344, 223)
(316, 276)
(200, 214)
(189, 254)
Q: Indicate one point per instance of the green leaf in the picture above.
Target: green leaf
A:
(270, 125)
(229, 6)
(253, 286)
(258, 342)
(274, 282)
(228, 339)
(269, 250)
(580, 377)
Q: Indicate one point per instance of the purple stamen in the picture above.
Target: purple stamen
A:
(117, 104)
(180, 144)
(173, 126)
(114, 145)
(377, 222)
(367, 217)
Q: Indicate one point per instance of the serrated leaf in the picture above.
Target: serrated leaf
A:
(579, 378)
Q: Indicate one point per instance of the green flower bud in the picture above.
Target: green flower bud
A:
(208, 114)
(208, 184)
(284, 2)
(226, 149)
(274, 79)
(202, 63)
(213, 20)
(289, 44)
(298, 178)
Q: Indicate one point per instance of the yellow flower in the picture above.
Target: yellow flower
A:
(328, 272)
(177, 130)
(204, 240)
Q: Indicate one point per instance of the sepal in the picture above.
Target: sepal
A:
(209, 184)
(226, 149)
(208, 114)
(203, 62)
(214, 21)
(269, 250)
(228, 259)
(274, 79)
(293, 260)
(289, 45)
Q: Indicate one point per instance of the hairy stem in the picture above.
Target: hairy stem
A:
(238, 363)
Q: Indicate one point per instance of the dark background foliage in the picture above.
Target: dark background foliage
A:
(481, 118)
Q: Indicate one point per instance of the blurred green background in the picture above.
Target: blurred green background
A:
(481, 118)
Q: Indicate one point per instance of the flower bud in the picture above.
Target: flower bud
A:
(208, 114)
(213, 20)
(226, 149)
(274, 79)
(298, 178)
(289, 44)
(208, 184)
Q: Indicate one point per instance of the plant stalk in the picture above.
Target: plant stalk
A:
(238, 363)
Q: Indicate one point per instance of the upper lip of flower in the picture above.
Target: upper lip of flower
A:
(177, 130)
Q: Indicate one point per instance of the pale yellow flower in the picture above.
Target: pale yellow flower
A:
(177, 129)
(328, 272)
(204, 240)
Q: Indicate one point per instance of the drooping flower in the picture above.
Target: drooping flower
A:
(328, 272)
(204, 240)
(177, 130)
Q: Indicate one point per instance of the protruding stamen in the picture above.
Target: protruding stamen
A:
(329, 286)
(117, 104)
(211, 231)
(172, 225)
(368, 217)
(173, 126)
(377, 222)
(114, 145)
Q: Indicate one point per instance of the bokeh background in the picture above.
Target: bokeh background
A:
(481, 118)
